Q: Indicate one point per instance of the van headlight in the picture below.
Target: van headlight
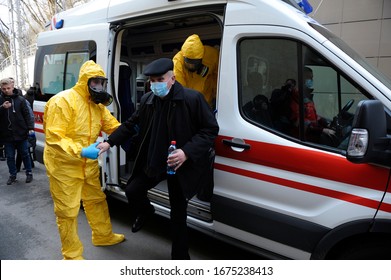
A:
(358, 143)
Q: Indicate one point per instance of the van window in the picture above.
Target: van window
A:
(290, 89)
(61, 71)
(57, 66)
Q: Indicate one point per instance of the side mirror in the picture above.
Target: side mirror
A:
(369, 142)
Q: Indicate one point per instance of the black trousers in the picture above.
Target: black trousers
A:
(136, 193)
(2, 151)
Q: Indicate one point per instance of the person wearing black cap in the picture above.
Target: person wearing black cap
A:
(169, 112)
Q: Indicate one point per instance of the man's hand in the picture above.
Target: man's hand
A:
(6, 104)
(176, 158)
(103, 147)
(91, 151)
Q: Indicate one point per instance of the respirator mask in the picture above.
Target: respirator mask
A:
(195, 65)
(309, 83)
(97, 87)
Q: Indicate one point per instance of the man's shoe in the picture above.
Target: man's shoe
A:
(11, 180)
(29, 178)
(140, 220)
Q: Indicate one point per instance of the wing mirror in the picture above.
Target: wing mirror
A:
(369, 141)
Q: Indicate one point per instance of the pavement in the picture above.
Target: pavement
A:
(28, 229)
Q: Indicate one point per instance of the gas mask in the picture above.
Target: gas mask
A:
(195, 65)
(97, 86)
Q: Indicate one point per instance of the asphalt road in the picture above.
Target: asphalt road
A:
(28, 229)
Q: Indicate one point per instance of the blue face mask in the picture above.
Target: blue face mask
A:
(160, 89)
(309, 83)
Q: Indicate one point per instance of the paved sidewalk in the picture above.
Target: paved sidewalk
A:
(28, 229)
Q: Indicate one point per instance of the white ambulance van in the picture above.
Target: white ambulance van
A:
(277, 190)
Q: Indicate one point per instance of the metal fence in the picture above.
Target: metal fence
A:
(27, 52)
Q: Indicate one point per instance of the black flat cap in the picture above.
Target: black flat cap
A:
(159, 67)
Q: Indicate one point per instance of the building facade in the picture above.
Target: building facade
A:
(365, 25)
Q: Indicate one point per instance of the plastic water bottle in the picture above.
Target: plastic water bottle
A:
(170, 169)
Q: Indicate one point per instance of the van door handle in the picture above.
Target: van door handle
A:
(237, 143)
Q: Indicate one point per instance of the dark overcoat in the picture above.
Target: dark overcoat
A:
(191, 123)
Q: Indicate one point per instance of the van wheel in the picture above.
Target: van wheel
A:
(376, 248)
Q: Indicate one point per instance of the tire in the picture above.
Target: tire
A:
(365, 249)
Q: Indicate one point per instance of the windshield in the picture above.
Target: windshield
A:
(354, 55)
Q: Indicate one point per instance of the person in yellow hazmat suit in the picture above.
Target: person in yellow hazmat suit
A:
(73, 119)
(196, 67)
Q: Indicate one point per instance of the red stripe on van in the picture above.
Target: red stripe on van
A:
(313, 163)
(386, 207)
(38, 117)
(306, 187)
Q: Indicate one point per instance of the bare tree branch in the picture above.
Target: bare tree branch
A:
(35, 14)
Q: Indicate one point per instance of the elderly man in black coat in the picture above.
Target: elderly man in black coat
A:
(169, 112)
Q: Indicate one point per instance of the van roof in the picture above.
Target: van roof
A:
(102, 11)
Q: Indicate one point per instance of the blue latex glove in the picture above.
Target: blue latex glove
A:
(91, 151)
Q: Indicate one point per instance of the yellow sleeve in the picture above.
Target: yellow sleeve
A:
(179, 70)
(109, 123)
(57, 117)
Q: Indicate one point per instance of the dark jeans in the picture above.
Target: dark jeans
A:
(2, 152)
(22, 148)
(136, 192)
(19, 159)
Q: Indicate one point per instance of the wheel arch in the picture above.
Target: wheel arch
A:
(348, 233)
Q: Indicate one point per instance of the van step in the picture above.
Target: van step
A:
(196, 208)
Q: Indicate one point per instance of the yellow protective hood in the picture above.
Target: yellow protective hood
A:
(88, 70)
(193, 48)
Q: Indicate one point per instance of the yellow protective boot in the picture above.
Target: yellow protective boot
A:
(98, 217)
(78, 258)
(72, 248)
(115, 238)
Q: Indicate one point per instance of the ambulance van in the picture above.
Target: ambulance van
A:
(280, 189)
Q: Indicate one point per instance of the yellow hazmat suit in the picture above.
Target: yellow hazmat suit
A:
(71, 122)
(194, 49)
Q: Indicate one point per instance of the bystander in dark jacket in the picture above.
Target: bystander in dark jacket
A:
(17, 122)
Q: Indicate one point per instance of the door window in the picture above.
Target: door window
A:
(288, 88)
(57, 66)
(61, 71)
